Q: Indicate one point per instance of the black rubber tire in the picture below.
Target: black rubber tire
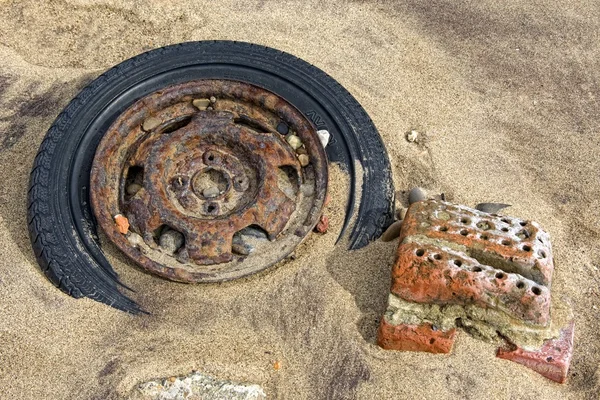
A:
(61, 224)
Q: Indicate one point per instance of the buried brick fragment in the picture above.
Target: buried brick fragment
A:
(551, 361)
(491, 275)
(422, 337)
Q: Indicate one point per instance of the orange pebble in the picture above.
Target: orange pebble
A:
(122, 223)
(277, 365)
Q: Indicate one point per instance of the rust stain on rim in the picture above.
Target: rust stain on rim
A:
(205, 160)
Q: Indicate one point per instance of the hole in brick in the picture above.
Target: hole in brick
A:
(549, 359)
(437, 256)
(443, 228)
(536, 290)
(520, 284)
(458, 263)
(477, 269)
(484, 225)
(464, 232)
(484, 237)
(420, 252)
(465, 220)
(432, 340)
(523, 223)
(500, 275)
(504, 229)
(524, 234)
(526, 247)
(506, 242)
(506, 220)
(540, 240)
(542, 254)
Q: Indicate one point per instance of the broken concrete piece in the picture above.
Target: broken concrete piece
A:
(196, 386)
(492, 274)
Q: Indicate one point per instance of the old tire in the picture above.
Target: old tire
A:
(61, 225)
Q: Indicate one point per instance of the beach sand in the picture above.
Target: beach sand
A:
(506, 98)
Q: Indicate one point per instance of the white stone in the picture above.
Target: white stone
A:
(324, 137)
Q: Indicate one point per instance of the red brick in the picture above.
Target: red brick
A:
(427, 270)
(451, 255)
(552, 360)
(414, 338)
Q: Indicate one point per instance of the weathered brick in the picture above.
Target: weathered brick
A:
(552, 360)
(415, 338)
(492, 273)
(450, 254)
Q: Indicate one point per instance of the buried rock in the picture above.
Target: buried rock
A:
(196, 386)
(490, 275)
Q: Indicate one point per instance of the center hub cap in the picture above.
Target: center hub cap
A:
(212, 178)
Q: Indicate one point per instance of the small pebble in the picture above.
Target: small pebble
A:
(301, 150)
(122, 223)
(201, 104)
(304, 160)
(133, 189)
(400, 213)
(134, 239)
(392, 232)
(241, 249)
(282, 128)
(324, 137)
(171, 240)
(293, 141)
(322, 225)
(211, 192)
(150, 123)
(213, 99)
(416, 194)
(412, 136)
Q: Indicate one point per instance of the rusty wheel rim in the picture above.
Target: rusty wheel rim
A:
(215, 166)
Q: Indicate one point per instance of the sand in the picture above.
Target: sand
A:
(506, 100)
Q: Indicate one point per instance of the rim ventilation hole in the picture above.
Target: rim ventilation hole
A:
(175, 124)
(288, 181)
(134, 180)
(251, 123)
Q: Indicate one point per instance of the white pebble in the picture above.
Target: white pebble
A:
(324, 136)
(412, 136)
